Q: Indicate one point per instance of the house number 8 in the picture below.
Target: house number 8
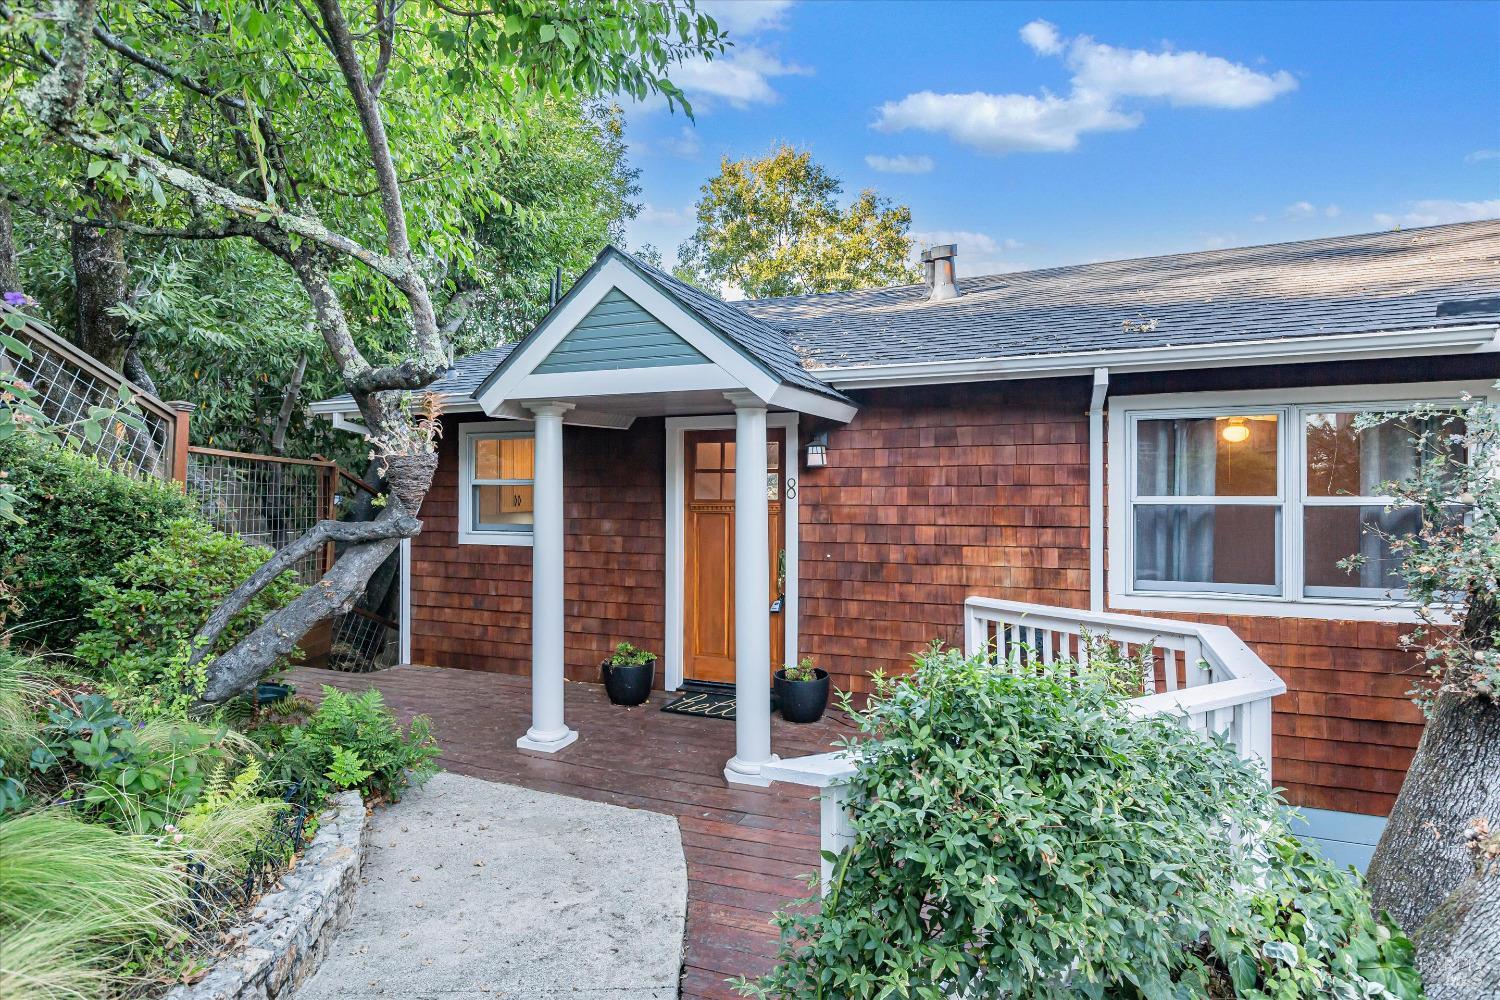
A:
(791, 487)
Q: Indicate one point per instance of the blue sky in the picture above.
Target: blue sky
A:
(1035, 134)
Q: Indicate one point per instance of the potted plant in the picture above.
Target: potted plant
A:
(628, 674)
(802, 691)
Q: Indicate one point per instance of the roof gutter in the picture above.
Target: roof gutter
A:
(1333, 347)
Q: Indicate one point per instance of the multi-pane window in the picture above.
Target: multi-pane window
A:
(501, 482)
(1208, 511)
(1271, 502)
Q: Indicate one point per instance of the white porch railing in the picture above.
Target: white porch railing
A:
(1203, 674)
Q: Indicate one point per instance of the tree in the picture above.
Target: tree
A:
(225, 325)
(327, 136)
(1436, 869)
(772, 226)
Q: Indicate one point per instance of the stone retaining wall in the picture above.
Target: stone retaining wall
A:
(289, 930)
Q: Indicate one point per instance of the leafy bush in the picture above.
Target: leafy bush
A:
(351, 741)
(145, 611)
(1312, 934)
(1025, 836)
(79, 520)
(166, 775)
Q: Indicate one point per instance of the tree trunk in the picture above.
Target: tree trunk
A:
(10, 277)
(1458, 947)
(1454, 778)
(100, 277)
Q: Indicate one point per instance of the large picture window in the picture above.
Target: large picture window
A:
(1266, 502)
(497, 470)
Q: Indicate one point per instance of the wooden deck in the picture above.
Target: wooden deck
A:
(747, 849)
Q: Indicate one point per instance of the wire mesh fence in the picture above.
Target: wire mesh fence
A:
(272, 501)
(70, 387)
(265, 499)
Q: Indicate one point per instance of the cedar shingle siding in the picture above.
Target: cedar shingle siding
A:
(929, 496)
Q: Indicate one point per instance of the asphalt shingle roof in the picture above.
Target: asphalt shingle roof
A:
(1407, 279)
(1346, 284)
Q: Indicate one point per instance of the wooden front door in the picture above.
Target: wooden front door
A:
(708, 604)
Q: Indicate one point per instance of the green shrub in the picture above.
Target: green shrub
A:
(351, 741)
(626, 655)
(1024, 836)
(80, 519)
(144, 612)
(168, 774)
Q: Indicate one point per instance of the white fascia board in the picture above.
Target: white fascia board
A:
(1337, 347)
(519, 367)
(623, 382)
(813, 403)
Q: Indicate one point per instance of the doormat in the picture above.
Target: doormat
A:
(711, 704)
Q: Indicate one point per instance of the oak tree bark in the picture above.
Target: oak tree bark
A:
(1454, 778)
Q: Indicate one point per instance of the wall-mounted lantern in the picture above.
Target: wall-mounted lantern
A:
(817, 451)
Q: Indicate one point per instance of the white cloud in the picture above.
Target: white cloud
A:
(652, 215)
(1043, 37)
(1438, 211)
(1180, 78)
(1306, 210)
(1480, 155)
(1258, 217)
(745, 17)
(683, 144)
(1103, 76)
(740, 78)
(900, 164)
(1005, 123)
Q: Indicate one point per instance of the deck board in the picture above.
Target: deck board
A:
(747, 849)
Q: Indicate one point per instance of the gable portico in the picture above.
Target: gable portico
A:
(626, 343)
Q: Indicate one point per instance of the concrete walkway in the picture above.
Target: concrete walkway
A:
(480, 890)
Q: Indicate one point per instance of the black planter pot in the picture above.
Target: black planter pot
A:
(802, 701)
(628, 685)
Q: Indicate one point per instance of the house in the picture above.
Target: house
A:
(738, 485)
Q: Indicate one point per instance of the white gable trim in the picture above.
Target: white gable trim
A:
(518, 381)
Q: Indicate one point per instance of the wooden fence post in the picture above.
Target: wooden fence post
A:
(183, 411)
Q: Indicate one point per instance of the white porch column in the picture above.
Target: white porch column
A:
(548, 732)
(752, 584)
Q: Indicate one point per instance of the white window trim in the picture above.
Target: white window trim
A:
(676, 572)
(466, 434)
(1290, 405)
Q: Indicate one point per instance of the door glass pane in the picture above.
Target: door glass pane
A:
(728, 455)
(502, 507)
(705, 486)
(773, 454)
(707, 455)
(1345, 462)
(773, 486)
(1334, 533)
(1207, 456)
(1210, 547)
(728, 487)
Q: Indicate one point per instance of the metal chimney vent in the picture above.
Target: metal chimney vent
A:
(940, 271)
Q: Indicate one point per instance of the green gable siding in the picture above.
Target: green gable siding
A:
(617, 334)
